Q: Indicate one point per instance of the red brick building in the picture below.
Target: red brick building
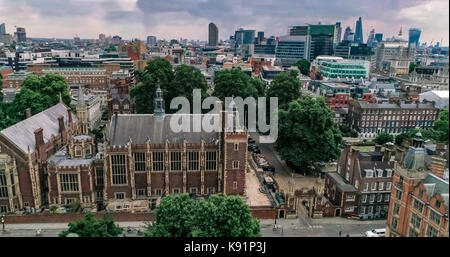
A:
(24, 149)
(419, 204)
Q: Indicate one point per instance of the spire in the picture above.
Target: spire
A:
(80, 96)
(400, 32)
(159, 103)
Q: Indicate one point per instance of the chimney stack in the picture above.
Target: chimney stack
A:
(39, 137)
(437, 166)
(69, 114)
(61, 123)
(28, 110)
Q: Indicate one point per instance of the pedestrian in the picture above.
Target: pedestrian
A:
(347, 235)
(340, 233)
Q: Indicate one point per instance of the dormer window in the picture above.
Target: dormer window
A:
(77, 151)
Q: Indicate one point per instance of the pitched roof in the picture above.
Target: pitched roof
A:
(341, 184)
(22, 133)
(435, 185)
(139, 127)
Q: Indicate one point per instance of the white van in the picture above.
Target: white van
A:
(381, 232)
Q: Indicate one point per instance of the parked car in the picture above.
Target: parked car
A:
(381, 232)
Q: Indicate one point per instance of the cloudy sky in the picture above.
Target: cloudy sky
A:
(170, 19)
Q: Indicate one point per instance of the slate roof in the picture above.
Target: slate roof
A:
(139, 127)
(435, 185)
(341, 184)
(61, 159)
(22, 133)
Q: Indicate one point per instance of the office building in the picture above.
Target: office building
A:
(321, 38)
(249, 37)
(21, 35)
(151, 40)
(393, 57)
(2, 29)
(359, 32)
(379, 37)
(298, 30)
(213, 35)
(337, 67)
(347, 33)
(371, 41)
(102, 38)
(350, 50)
(337, 33)
(290, 49)
(239, 37)
(414, 35)
(260, 38)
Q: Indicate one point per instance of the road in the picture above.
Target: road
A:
(325, 227)
(301, 227)
(283, 174)
(53, 229)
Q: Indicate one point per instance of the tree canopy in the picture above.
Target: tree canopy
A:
(159, 72)
(38, 94)
(235, 82)
(219, 216)
(286, 86)
(92, 227)
(308, 133)
(384, 138)
(303, 66)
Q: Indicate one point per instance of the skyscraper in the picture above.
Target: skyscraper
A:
(379, 37)
(249, 37)
(2, 29)
(239, 37)
(414, 35)
(321, 37)
(337, 33)
(151, 40)
(21, 35)
(213, 35)
(359, 32)
(371, 41)
(347, 32)
(260, 37)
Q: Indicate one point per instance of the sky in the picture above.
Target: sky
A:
(175, 19)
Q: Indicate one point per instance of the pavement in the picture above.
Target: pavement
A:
(300, 227)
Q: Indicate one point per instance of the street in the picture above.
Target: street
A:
(301, 227)
(325, 227)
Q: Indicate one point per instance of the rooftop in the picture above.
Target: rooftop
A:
(341, 184)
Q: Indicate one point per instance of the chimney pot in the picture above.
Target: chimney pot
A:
(39, 136)
(69, 114)
(61, 123)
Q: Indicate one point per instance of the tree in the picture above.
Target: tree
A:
(38, 94)
(441, 126)
(303, 66)
(412, 66)
(308, 133)
(384, 138)
(285, 86)
(181, 216)
(92, 227)
(186, 79)
(400, 138)
(346, 131)
(229, 83)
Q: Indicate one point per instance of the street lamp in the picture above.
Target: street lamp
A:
(3, 222)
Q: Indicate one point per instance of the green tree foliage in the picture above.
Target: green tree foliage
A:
(308, 133)
(346, 131)
(92, 227)
(235, 82)
(303, 66)
(97, 133)
(111, 48)
(441, 127)
(412, 67)
(176, 83)
(219, 216)
(38, 94)
(400, 138)
(384, 138)
(285, 86)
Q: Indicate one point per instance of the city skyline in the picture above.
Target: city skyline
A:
(174, 19)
